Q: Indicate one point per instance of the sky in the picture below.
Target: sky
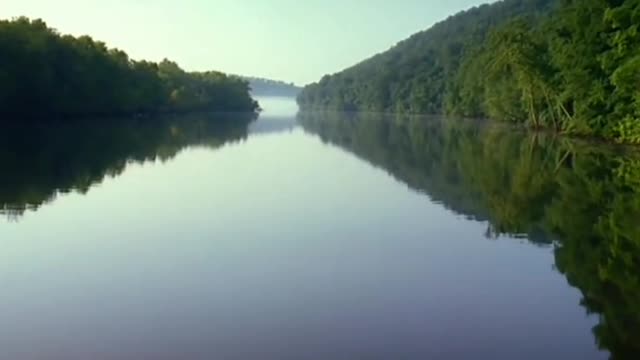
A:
(292, 40)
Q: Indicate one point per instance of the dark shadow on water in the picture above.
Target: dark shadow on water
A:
(40, 161)
(580, 197)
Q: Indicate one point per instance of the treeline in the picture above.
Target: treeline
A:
(570, 65)
(40, 160)
(580, 197)
(44, 73)
(267, 87)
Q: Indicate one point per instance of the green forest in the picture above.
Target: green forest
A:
(568, 65)
(578, 197)
(46, 75)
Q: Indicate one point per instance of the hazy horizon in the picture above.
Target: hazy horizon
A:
(275, 39)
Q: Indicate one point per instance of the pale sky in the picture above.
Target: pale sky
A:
(291, 40)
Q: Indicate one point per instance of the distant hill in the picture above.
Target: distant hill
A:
(267, 87)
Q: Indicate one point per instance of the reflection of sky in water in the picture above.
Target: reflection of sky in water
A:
(278, 115)
(279, 247)
(277, 107)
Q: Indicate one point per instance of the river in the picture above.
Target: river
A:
(315, 236)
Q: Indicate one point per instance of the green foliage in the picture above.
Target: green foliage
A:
(418, 74)
(627, 130)
(45, 73)
(580, 197)
(569, 65)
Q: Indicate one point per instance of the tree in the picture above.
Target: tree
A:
(45, 75)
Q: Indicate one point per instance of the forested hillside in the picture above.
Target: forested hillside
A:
(45, 74)
(565, 64)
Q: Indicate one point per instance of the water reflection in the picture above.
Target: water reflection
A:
(580, 197)
(278, 115)
(41, 161)
(303, 251)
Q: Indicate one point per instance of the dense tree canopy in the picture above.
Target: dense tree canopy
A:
(580, 197)
(43, 73)
(571, 65)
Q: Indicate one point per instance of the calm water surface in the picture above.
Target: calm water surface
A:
(326, 236)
